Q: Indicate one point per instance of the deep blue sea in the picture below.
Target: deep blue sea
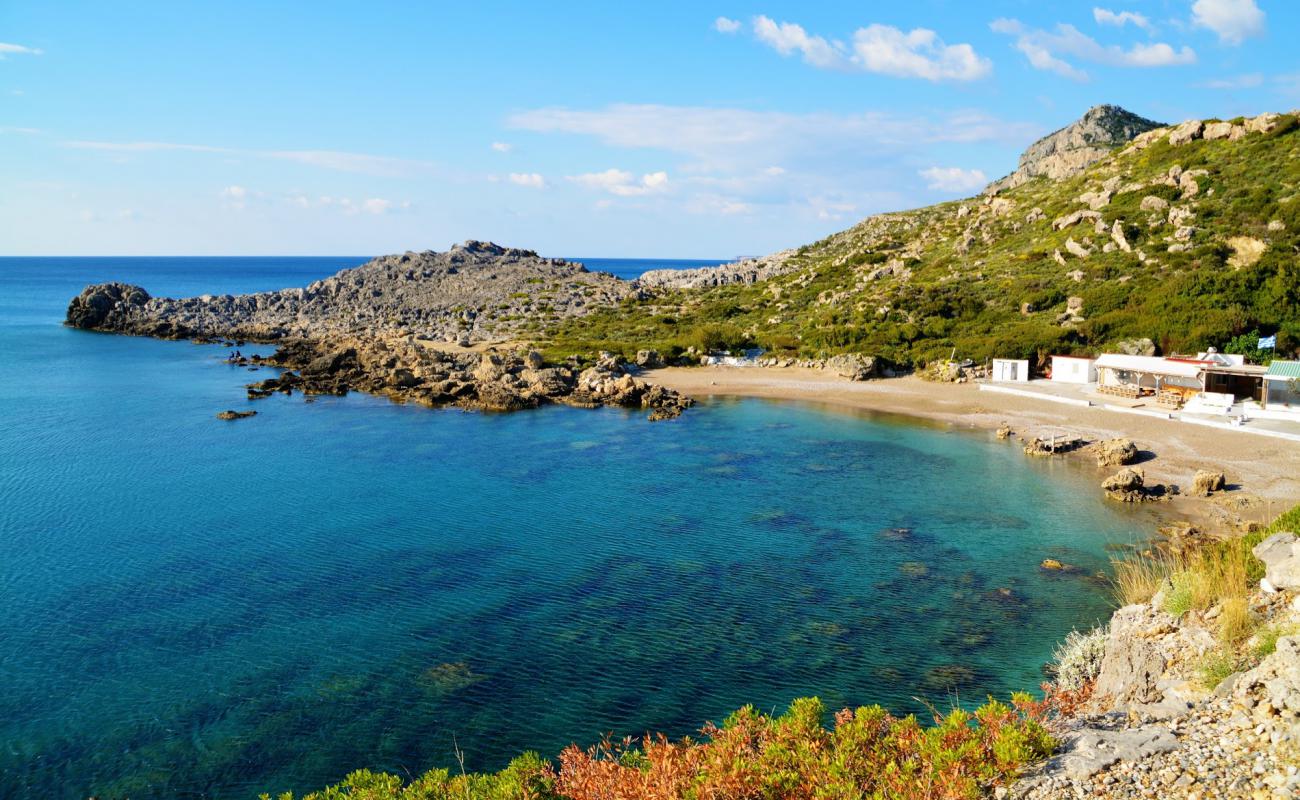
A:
(201, 609)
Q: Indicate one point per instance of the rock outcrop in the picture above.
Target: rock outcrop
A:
(747, 270)
(1281, 556)
(401, 326)
(1071, 149)
(476, 291)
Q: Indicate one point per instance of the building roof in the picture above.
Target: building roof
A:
(1077, 358)
(1153, 365)
(1284, 370)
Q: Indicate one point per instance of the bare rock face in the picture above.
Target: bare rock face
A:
(106, 305)
(1132, 664)
(1071, 149)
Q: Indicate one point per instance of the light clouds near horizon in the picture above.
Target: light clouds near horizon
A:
(679, 130)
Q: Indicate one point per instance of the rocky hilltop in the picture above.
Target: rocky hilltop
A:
(403, 326)
(1069, 150)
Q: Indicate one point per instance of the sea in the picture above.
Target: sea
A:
(203, 609)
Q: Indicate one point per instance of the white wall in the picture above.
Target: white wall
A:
(1010, 370)
(1073, 370)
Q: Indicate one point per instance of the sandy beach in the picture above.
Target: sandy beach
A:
(1263, 473)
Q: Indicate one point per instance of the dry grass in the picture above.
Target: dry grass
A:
(1198, 581)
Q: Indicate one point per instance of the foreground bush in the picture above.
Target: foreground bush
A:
(867, 753)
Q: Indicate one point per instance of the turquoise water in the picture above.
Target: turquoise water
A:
(199, 609)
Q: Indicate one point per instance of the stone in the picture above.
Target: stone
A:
(1074, 248)
(231, 414)
(853, 366)
(1281, 556)
(1246, 251)
(1263, 123)
(1217, 130)
(1186, 132)
(1117, 235)
(1207, 482)
(1153, 203)
(1091, 750)
(1116, 453)
(1074, 218)
(649, 359)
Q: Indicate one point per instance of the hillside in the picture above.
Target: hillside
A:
(1186, 235)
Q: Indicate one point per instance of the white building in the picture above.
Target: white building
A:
(1282, 386)
(1074, 369)
(1011, 370)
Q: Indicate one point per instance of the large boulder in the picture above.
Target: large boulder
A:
(1281, 556)
(1207, 482)
(1116, 453)
(853, 366)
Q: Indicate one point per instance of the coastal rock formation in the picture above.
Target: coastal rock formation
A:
(231, 414)
(476, 291)
(1129, 486)
(402, 326)
(1071, 149)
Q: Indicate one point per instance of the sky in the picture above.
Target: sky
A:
(617, 129)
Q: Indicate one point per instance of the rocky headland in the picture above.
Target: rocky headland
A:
(408, 326)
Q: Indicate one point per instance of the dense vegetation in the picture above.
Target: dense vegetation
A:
(866, 754)
(981, 276)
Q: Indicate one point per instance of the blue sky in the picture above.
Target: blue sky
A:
(666, 129)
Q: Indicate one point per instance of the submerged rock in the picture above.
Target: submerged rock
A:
(230, 414)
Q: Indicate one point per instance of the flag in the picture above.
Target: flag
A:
(1268, 342)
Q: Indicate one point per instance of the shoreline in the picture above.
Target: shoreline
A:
(1263, 474)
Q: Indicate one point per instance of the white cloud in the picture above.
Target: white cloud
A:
(1045, 50)
(761, 138)
(714, 204)
(787, 37)
(234, 197)
(881, 49)
(919, 53)
(23, 131)
(1119, 19)
(377, 205)
(325, 159)
(7, 49)
(622, 183)
(953, 179)
(724, 25)
(502, 147)
(1247, 81)
(1233, 20)
(532, 180)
